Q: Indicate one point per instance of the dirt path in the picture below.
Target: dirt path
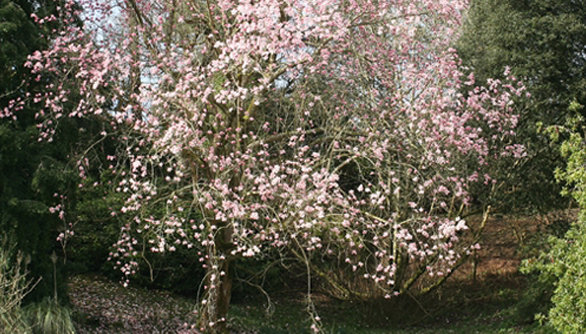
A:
(506, 240)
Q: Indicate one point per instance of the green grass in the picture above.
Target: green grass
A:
(48, 317)
(485, 307)
(291, 318)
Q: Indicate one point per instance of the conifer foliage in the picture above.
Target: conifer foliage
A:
(30, 171)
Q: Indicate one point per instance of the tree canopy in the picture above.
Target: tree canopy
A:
(329, 130)
(544, 43)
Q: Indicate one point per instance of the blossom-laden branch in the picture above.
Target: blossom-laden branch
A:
(302, 127)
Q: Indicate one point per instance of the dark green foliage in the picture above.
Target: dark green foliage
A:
(536, 299)
(178, 272)
(18, 37)
(543, 41)
(95, 230)
(30, 172)
(28, 180)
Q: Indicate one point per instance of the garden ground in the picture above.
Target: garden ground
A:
(467, 303)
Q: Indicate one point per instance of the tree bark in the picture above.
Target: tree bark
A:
(224, 296)
(218, 282)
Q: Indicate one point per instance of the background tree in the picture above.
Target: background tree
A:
(315, 130)
(30, 171)
(543, 42)
(33, 171)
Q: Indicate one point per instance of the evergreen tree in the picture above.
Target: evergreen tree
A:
(30, 171)
(544, 43)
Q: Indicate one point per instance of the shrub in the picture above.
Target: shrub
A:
(14, 286)
(562, 266)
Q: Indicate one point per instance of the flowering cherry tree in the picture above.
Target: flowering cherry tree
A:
(331, 129)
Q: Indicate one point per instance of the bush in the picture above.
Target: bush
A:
(562, 266)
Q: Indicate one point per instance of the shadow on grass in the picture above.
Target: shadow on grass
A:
(460, 306)
(484, 306)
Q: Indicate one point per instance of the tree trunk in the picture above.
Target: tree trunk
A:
(218, 294)
(224, 296)
(218, 283)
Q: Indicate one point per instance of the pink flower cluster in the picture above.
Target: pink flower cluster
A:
(331, 127)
